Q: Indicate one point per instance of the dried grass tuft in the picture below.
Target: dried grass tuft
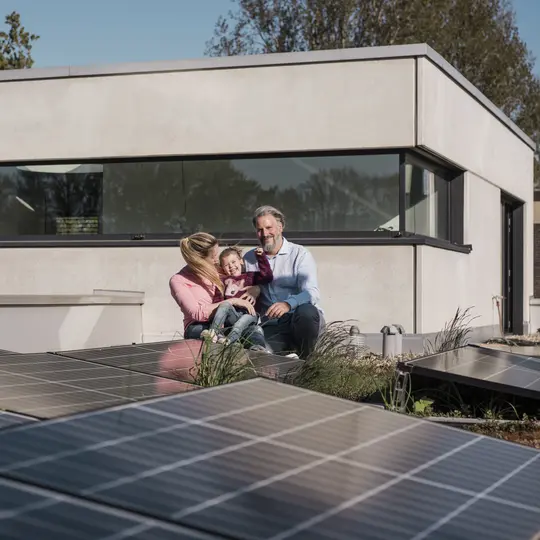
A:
(454, 334)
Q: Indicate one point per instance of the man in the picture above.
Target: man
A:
(289, 305)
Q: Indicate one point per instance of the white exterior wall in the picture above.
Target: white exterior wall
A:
(369, 284)
(261, 109)
(61, 328)
(331, 106)
(452, 124)
(447, 280)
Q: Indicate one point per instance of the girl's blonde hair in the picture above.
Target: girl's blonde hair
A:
(195, 250)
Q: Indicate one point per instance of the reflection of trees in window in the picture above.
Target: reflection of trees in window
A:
(143, 198)
(213, 195)
(44, 203)
(344, 200)
(221, 198)
(8, 205)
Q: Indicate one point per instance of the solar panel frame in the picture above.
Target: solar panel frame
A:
(425, 366)
(44, 385)
(9, 419)
(285, 476)
(4, 352)
(142, 359)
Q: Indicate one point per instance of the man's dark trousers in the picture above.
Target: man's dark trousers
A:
(296, 331)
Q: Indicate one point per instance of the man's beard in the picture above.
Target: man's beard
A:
(271, 244)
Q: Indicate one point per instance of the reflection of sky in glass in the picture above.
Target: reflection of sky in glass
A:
(291, 172)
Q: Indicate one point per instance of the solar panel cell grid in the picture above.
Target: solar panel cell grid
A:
(29, 513)
(46, 385)
(202, 460)
(174, 359)
(484, 367)
(8, 419)
(4, 352)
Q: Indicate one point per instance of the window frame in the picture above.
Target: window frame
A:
(455, 211)
(456, 193)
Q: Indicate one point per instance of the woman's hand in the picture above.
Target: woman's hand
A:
(251, 294)
(240, 302)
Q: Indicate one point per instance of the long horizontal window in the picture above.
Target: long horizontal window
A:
(322, 194)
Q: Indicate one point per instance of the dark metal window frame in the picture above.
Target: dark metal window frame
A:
(322, 238)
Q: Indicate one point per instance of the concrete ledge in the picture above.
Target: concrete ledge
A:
(102, 298)
(416, 343)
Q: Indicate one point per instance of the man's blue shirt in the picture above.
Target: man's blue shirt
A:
(295, 277)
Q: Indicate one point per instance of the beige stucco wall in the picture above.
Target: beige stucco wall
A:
(447, 280)
(60, 328)
(452, 123)
(536, 212)
(344, 105)
(371, 284)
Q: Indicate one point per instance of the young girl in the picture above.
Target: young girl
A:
(198, 283)
(235, 281)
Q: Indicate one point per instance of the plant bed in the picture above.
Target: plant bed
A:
(526, 432)
(532, 340)
(339, 368)
(433, 397)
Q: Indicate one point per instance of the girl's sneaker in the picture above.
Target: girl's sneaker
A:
(222, 340)
(260, 348)
(210, 335)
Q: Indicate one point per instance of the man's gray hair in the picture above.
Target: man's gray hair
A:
(268, 211)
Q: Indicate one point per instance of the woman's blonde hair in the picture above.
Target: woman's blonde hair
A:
(195, 250)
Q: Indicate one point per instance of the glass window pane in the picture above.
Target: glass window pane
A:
(426, 209)
(317, 194)
(144, 198)
(50, 199)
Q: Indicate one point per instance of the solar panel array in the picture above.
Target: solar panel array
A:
(9, 419)
(45, 385)
(173, 359)
(28, 513)
(3, 352)
(262, 460)
(482, 367)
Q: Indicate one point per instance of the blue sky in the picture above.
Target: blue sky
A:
(79, 32)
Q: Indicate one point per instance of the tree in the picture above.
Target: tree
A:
(16, 44)
(478, 37)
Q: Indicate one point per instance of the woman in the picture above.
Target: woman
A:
(195, 285)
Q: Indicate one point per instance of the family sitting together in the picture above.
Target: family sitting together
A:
(268, 299)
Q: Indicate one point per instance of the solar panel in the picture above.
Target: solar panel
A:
(9, 419)
(486, 368)
(27, 512)
(260, 459)
(3, 352)
(45, 385)
(171, 359)
(524, 350)
(174, 359)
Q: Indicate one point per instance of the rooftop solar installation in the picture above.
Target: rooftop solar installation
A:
(482, 367)
(173, 359)
(30, 513)
(4, 352)
(45, 385)
(264, 460)
(9, 419)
